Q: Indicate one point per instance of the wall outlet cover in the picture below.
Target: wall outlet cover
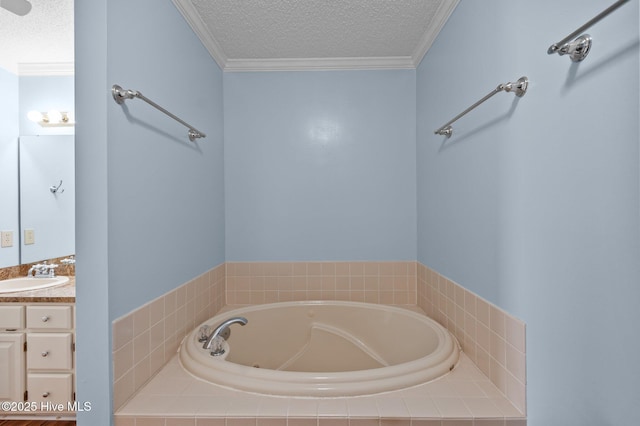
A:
(6, 239)
(29, 236)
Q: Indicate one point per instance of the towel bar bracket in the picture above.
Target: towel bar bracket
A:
(577, 49)
(120, 95)
(519, 88)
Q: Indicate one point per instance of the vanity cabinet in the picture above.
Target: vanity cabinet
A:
(37, 353)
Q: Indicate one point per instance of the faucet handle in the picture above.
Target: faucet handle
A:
(218, 346)
(52, 269)
(203, 333)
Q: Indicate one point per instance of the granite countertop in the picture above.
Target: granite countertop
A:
(61, 294)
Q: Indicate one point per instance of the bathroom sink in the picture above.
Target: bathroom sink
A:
(30, 283)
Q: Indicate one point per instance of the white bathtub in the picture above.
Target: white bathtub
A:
(324, 348)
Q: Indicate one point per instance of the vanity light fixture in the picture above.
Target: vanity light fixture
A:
(52, 118)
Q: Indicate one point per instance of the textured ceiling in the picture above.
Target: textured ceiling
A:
(43, 36)
(253, 34)
(298, 34)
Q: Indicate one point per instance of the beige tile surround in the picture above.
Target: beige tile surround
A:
(145, 340)
(390, 283)
(493, 339)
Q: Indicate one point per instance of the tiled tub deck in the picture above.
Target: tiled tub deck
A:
(464, 397)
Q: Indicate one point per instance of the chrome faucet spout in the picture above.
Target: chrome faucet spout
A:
(222, 331)
(42, 270)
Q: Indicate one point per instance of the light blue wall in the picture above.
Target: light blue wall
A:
(166, 194)
(93, 322)
(45, 93)
(150, 204)
(320, 165)
(9, 131)
(534, 203)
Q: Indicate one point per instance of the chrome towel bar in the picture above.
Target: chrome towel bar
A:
(120, 95)
(519, 88)
(579, 48)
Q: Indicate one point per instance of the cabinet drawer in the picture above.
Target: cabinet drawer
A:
(49, 316)
(56, 388)
(11, 317)
(49, 351)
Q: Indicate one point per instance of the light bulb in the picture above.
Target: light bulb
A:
(54, 116)
(35, 116)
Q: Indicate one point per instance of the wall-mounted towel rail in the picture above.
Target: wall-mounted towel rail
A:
(519, 88)
(579, 48)
(120, 95)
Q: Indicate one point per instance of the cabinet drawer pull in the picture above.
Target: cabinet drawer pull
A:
(46, 394)
(45, 354)
(45, 318)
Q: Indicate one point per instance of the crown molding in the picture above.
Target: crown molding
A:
(185, 7)
(441, 16)
(57, 68)
(188, 11)
(308, 64)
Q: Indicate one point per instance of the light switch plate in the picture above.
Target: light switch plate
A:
(6, 239)
(29, 236)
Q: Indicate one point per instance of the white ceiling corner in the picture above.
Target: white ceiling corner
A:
(200, 28)
(41, 42)
(440, 17)
(268, 35)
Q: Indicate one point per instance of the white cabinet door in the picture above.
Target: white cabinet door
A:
(12, 367)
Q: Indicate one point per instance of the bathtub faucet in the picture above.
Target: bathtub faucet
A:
(215, 339)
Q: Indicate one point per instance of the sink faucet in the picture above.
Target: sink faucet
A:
(68, 260)
(42, 270)
(214, 343)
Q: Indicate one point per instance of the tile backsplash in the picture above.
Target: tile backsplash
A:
(493, 339)
(145, 339)
(390, 283)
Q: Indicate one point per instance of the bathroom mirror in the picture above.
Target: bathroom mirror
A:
(36, 74)
(47, 197)
(35, 158)
(9, 131)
